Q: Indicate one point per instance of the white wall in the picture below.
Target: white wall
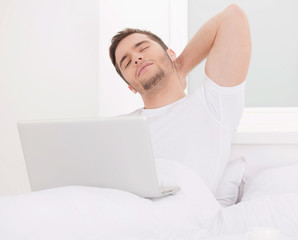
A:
(48, 69)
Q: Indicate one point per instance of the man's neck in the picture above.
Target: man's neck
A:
(168, 92)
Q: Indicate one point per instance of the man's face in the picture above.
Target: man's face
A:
(142, 62)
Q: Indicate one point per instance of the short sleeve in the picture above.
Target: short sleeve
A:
(225, 104)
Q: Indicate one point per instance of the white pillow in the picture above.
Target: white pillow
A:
(228, 188)
(279, 180)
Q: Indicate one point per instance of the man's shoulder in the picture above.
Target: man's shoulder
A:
(136, 112)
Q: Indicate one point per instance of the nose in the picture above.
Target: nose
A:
(137, 60)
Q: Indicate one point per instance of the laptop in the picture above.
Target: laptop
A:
(111, 152)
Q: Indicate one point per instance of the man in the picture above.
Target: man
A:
(195, 130)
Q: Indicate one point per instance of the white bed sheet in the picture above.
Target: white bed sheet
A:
(239, 237)
(275, 211)
(98, 213)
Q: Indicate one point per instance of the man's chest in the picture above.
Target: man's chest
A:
(184, 134)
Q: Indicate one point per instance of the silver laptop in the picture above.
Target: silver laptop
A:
(105, 152)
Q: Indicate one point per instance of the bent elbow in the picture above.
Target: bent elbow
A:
(235, 11)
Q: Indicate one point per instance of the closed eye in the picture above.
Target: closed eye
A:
(144, 48)
(128, 63)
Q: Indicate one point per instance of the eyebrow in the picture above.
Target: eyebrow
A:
(135, 46)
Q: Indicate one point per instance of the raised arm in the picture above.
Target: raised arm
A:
(225, 41)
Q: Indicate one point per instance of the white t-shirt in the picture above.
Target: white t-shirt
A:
(197, 129)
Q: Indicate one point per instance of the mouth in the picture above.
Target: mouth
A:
(143, 67)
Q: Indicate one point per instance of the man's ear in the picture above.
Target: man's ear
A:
(171, 54)
(131, 89)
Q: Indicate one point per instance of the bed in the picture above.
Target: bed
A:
(259, 188)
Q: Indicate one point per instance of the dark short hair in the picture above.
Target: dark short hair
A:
(123, 34)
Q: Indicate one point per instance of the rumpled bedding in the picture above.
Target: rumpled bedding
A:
(78, 212)
(278, 211)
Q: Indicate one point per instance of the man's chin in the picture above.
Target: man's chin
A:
(150, 82)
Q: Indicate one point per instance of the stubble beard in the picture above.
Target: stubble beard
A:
(152, 82)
